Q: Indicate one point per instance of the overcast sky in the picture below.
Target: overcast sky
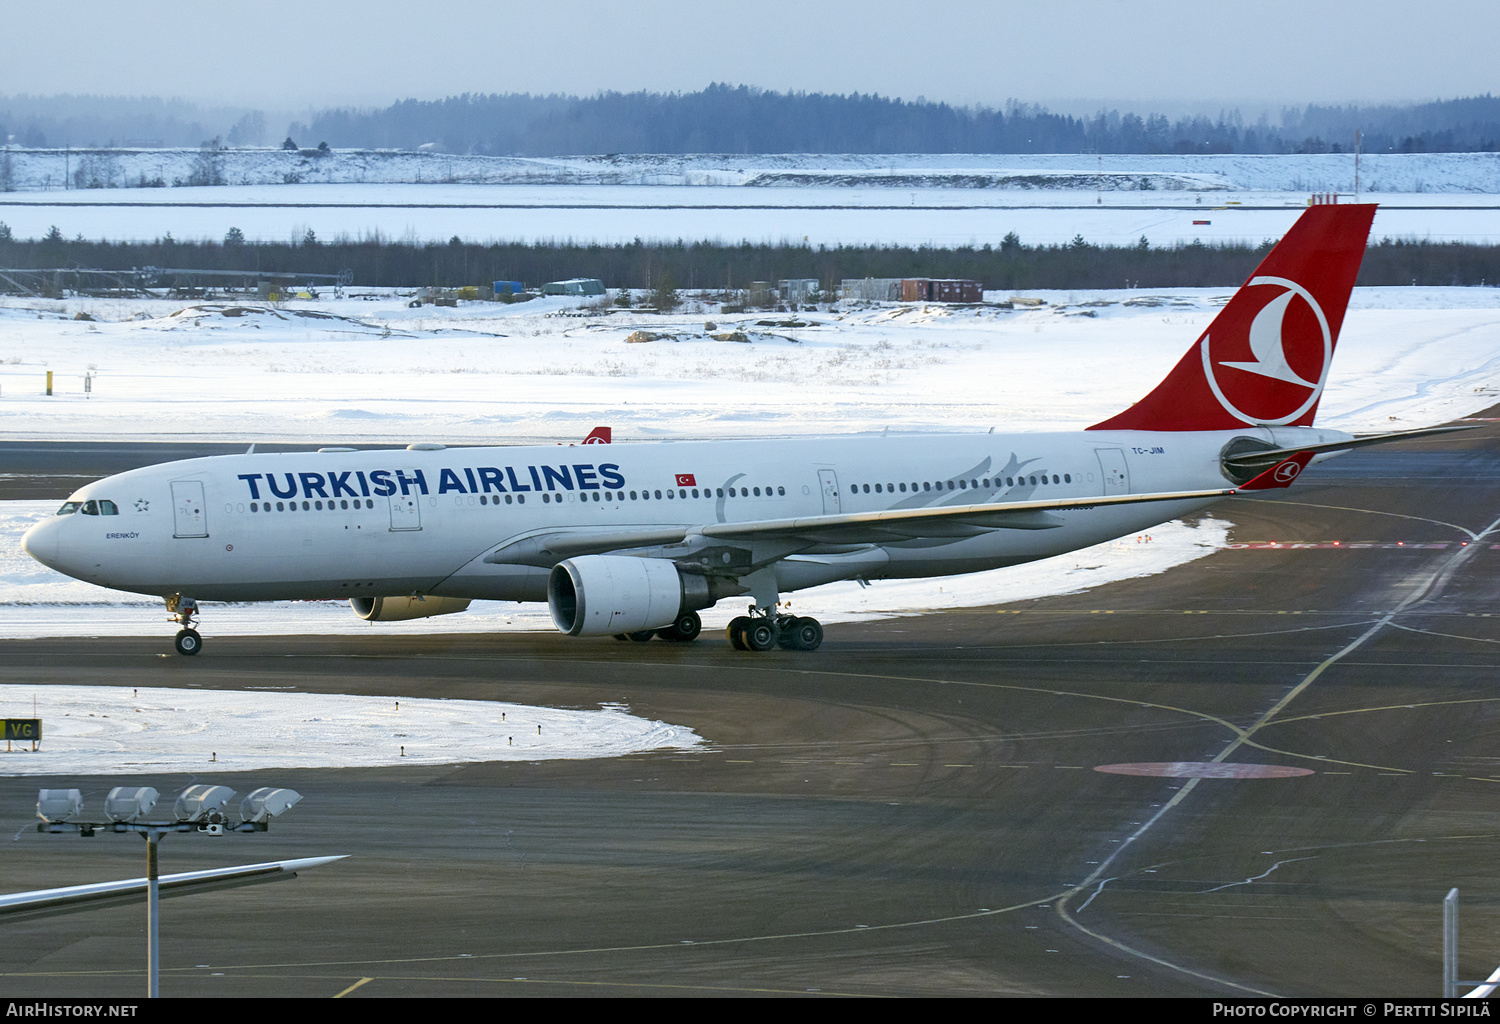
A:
(1162, 54)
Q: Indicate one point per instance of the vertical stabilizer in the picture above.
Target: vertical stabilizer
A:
(1265, 357)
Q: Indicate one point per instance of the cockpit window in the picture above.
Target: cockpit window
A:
(90, 508)
(69, 507)
(108, 508)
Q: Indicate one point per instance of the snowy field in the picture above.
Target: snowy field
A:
(947, 200)
(105, 729)
(46, 170)
(618, 214)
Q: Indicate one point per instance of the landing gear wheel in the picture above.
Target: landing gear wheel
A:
(735, 632)
(685, 629)
(642, 635)
(760, 635)
(806, 634)
(189, 642)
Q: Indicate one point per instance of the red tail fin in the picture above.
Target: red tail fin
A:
(1265, 357)
(599, 435)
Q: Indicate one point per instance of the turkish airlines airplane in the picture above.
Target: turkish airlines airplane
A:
(632, 540)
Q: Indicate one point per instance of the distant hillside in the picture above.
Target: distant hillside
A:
(744, 120)
(728, 119)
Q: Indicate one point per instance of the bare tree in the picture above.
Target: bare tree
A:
(249, 130)
(208, 165)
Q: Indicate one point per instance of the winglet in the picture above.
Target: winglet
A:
(1280, 475)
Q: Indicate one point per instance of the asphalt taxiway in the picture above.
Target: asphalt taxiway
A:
(915, 809)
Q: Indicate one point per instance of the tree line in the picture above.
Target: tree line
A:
(1011, 265)
(740, 119)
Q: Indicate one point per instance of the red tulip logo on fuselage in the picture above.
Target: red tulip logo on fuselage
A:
(1273, 373)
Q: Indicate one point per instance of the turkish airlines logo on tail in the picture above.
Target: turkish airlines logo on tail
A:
(1280, 475)
(1289, 346)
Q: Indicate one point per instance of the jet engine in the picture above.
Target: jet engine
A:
(394, 609)
(603, 595)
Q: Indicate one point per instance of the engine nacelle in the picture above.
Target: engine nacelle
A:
(394, 609)
(601, 595)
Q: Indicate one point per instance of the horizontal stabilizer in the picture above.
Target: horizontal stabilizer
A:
(1256, 462)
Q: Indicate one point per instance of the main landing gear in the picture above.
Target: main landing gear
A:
(685, 629)
(182, 610)
(762, 630)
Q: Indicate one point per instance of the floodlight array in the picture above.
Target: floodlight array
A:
(199, 808)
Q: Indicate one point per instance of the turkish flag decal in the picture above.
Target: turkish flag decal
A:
(686, 480)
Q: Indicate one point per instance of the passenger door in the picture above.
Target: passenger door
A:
(829, 480)
(189, 515)
(406, 511)
(1116, 473)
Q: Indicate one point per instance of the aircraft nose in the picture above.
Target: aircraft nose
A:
(40, 542)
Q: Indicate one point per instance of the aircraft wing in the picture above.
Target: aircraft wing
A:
(73, 898)
(548, 547)
(951, 521)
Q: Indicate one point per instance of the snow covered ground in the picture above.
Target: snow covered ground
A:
(48, 169)
(552, 369)
(98, 730)
(943, 200)
(619, 214)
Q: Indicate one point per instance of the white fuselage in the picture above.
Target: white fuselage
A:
(455, 522)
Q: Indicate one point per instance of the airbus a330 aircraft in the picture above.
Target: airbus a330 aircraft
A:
(632, 540)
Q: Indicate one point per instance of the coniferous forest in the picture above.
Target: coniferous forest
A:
(1011, 265)
(740, 119)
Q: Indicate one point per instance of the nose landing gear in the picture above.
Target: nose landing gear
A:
(182, 610)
